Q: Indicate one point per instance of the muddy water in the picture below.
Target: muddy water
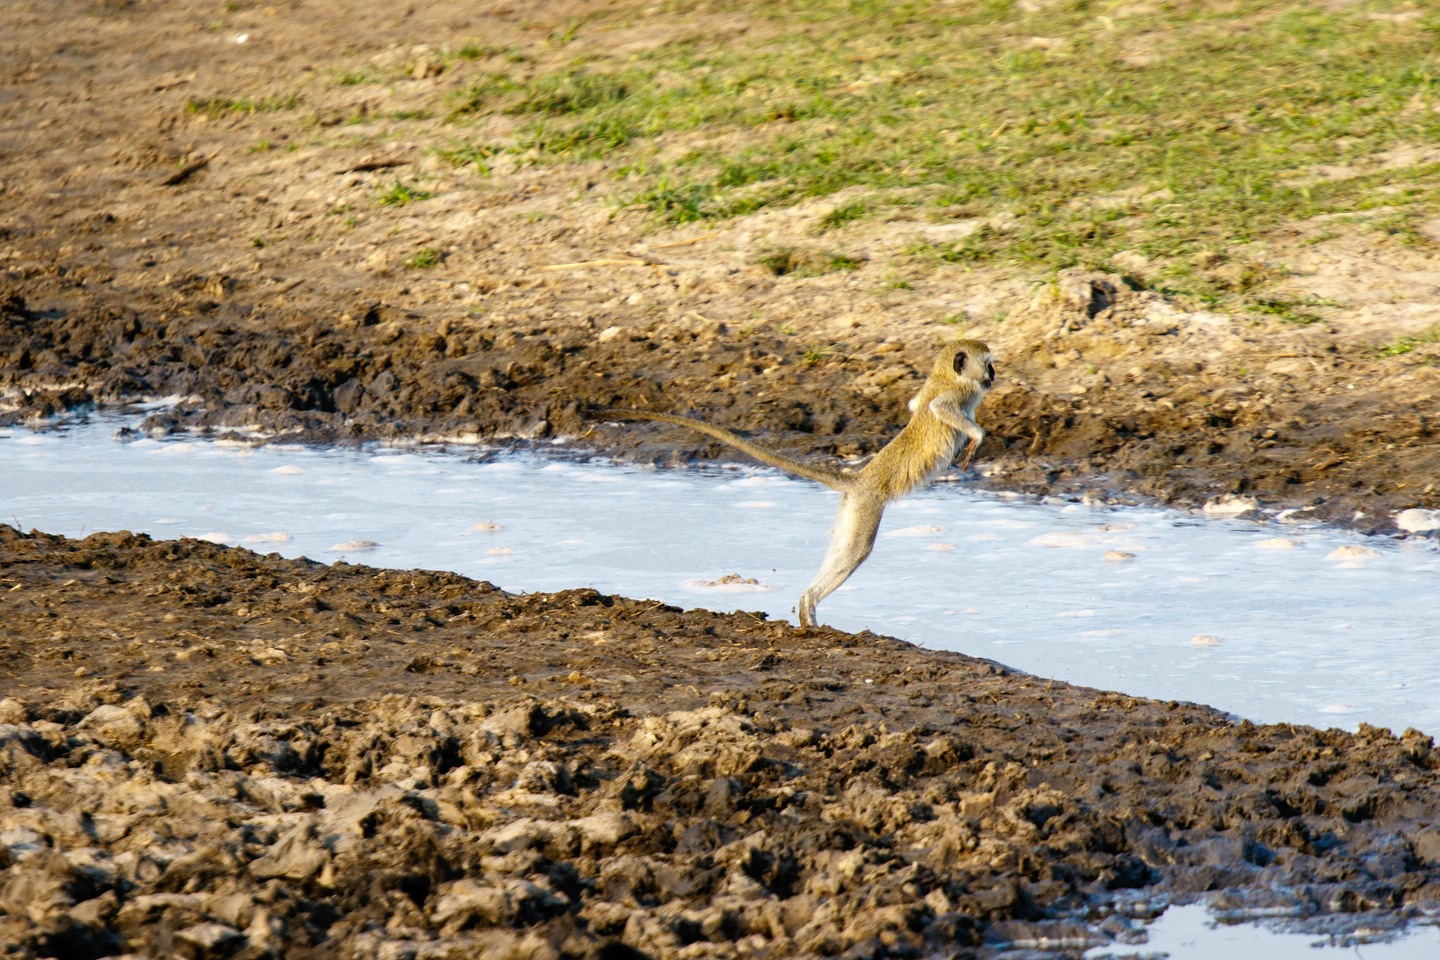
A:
(1271, 622)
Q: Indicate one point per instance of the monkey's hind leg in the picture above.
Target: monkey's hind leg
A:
(850, 544)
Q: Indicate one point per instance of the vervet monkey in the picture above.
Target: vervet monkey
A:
(943, 419)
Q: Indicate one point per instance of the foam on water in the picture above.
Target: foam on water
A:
(1286, 624)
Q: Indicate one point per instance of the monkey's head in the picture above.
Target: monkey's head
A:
(968, 360)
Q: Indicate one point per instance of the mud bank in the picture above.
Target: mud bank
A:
(1175, 433)
(210, 752)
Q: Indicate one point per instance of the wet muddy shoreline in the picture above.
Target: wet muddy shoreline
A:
(303, 759)
(370, 378)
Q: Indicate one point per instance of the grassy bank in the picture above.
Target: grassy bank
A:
(1096, 134)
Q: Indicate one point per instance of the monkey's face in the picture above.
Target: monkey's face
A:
(973, 361)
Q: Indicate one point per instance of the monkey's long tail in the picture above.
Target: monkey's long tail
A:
(833, 479)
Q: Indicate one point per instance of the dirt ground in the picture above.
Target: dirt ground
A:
(269, 288)
(307, 760)
(210, 753)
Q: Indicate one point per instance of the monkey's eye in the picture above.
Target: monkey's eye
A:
(960, 362)
(990, 371)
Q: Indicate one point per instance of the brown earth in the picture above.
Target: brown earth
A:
(296, 759)
(210, 753)
(239, 258)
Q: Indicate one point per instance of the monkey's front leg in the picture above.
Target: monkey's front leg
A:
(954, 415)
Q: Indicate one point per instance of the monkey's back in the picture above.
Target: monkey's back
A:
(919, 453)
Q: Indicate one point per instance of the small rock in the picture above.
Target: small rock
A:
(112, 724)
(1230, 505)
(604, 829)
(297, 856)
(543, 776)
(211, 939)
(522, 834)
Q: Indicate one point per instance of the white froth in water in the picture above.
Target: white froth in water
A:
(1316, 626)
(919, 530)
(353, 546)
(731, 583)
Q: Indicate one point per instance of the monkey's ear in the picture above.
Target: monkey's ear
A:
(959, 361)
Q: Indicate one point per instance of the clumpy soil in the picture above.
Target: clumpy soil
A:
(206, 752)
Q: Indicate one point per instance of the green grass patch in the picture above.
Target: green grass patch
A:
(1404, 226)
(424, 259)
(354, 78)
(815, 353)
(790, 262)
(1075, 131)
(839, 216)
(1404, 345)
(476, 50)
(215, 107)
(1291, 311)
(398, 194)
(470, 155)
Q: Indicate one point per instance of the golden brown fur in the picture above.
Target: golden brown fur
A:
(943, 421)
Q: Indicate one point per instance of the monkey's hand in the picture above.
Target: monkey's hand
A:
(970, 449)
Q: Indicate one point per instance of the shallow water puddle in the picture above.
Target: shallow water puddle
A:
(1192, 933)
(1268, 621)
